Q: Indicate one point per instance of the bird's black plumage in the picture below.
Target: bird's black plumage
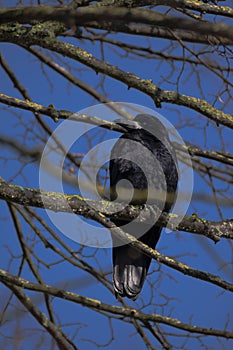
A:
(144, 161)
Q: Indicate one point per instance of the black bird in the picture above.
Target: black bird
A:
(143, 161)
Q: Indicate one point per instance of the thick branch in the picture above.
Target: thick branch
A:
(68, 203)
(84, 15)
(59, 202)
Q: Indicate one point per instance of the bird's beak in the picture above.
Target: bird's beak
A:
(128, 124)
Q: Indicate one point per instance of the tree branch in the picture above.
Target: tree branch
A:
(201, 7)
(130, 79)
(61, 340)
(94, 304)
(84, 15)
(160, 32)
(59, 202)
(221, 157)
(51, 112)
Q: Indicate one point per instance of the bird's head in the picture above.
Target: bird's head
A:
(145, 122)
(151, 124)
(128, 124)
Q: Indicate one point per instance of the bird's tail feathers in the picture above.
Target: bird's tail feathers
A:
(129, 271)
(130, 266)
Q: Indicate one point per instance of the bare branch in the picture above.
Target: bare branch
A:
(84, 15)
(97, 305)
(130, 79)
(73, 203)
(50, 111)
(61, 340)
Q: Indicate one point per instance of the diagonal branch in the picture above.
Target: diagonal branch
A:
(28, 258)
(97, 305)
(201, 7)
(43, 35)
(130, 79)
(60, 338)
(51, 112)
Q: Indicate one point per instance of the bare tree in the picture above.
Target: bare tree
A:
(57, 57)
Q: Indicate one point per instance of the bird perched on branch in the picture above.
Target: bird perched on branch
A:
(143, 169)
